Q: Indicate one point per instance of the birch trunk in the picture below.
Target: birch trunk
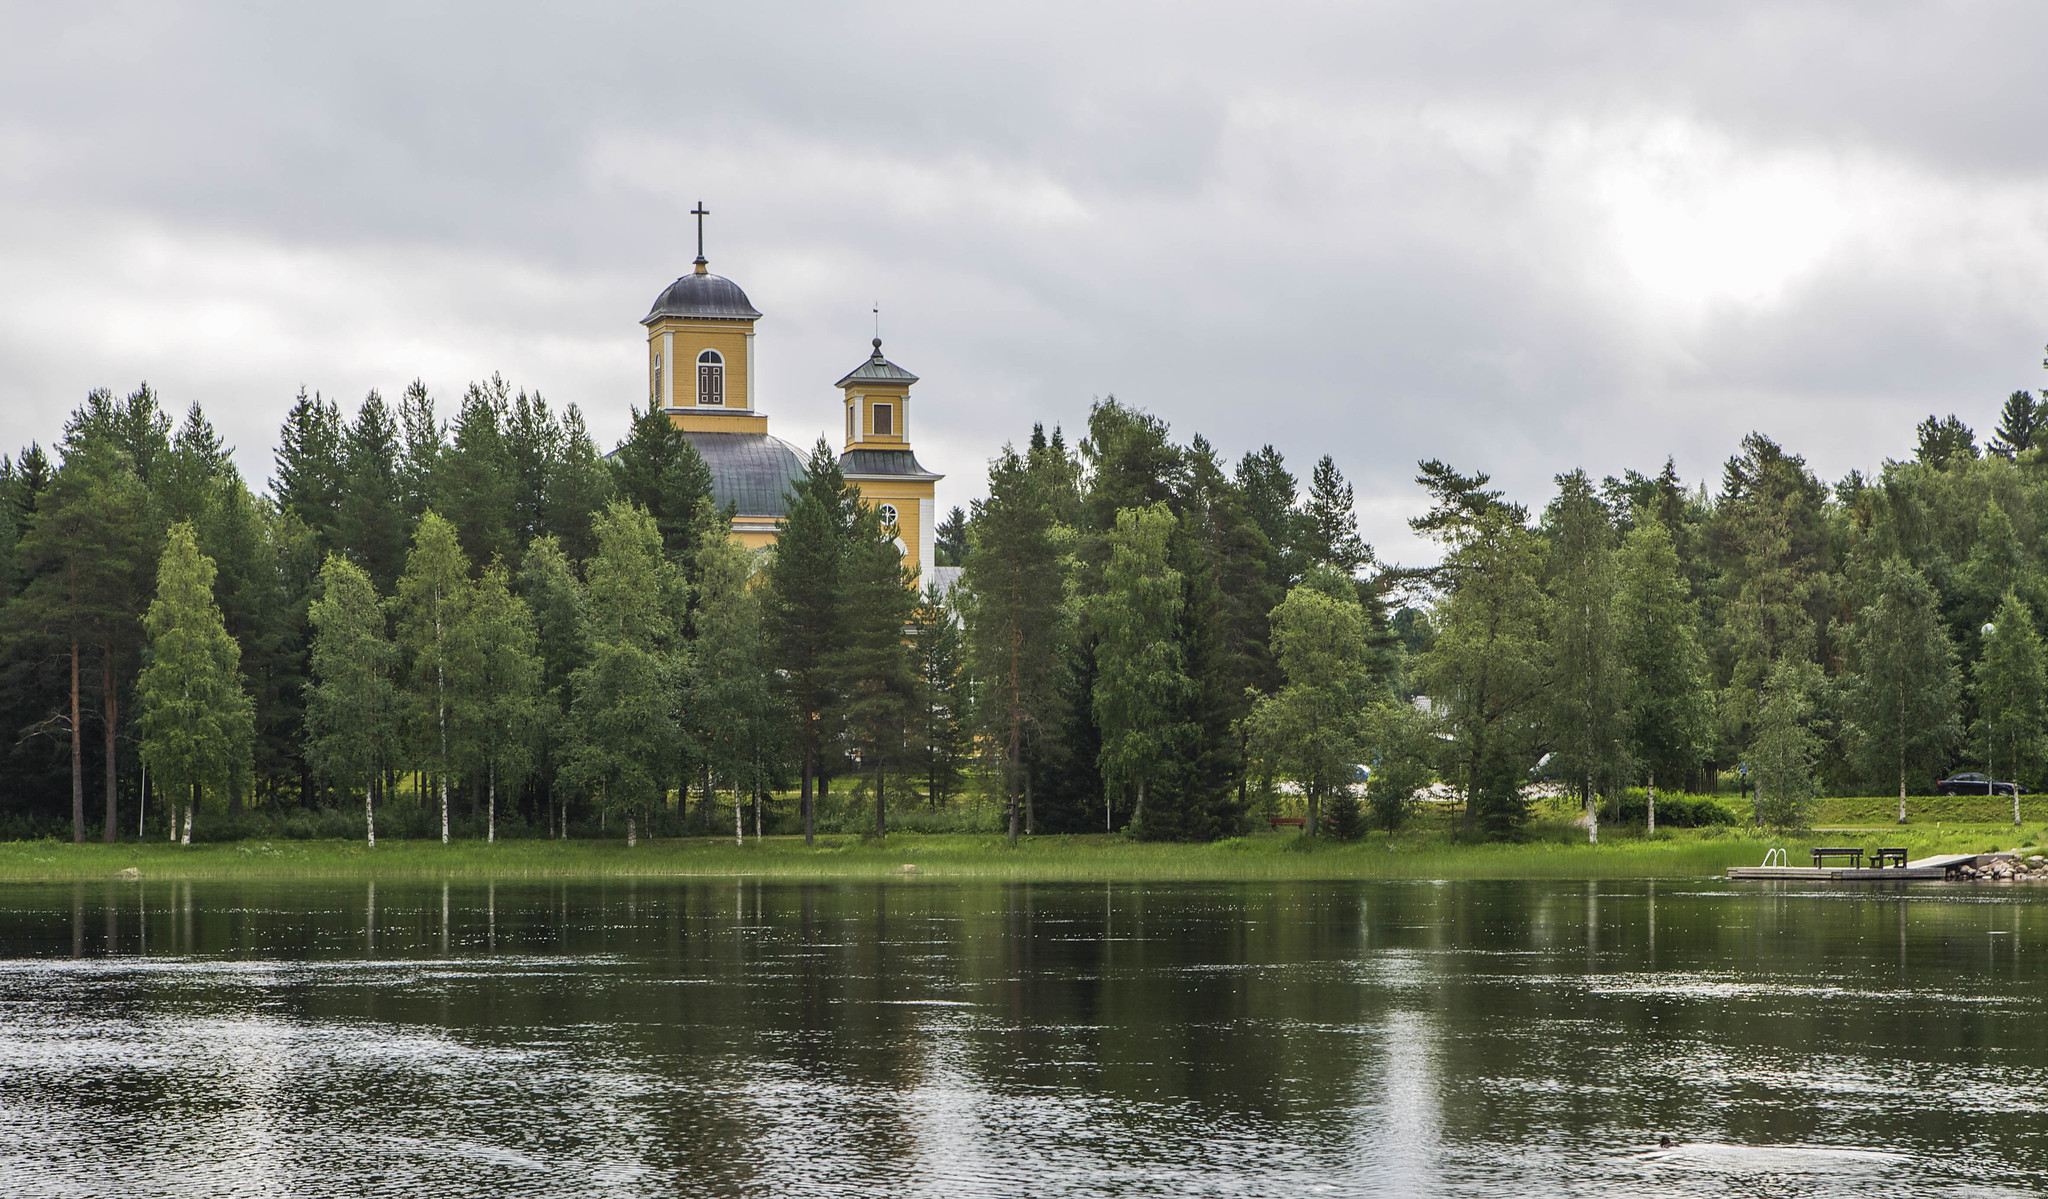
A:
(632, 833)
(189, 806)
(739, 825)
(1592, 816)
(491, 809)
(1653, 801)
(369, 817)
(1138, 813)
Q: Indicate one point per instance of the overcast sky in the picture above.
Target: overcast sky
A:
(1518, 237)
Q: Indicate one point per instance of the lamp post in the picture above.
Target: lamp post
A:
(1990, 782)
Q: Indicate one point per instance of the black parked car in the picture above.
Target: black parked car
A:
(1972, 783)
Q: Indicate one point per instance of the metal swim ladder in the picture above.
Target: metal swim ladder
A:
(1775, 857)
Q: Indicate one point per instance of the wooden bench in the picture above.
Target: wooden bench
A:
(1854, 855)
(1296, 821)
(1878, 858)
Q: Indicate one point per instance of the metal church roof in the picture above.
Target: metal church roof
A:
(878, 370)
(901, 464)
(752, 471)
(712, 296)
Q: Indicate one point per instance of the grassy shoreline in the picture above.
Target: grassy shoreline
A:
(1555, 852)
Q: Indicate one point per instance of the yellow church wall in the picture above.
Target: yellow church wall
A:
(690, 339)
(864, 410)
(914, 500)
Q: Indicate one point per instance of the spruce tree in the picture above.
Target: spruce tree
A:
(622, 719)
(873, 679)
(533, 445)
(803, 608)
(425, 441)
(371, 527)
(310, 477)
(1269, 499)
(196, 718)
(1014, 584)
(1329, 524)
(2019, 425)
(433, 607)
(474, 487)
(1902, 698)
(579, 486)
(1484, 670)
(351, 704)
(547, 582)
(941, 735)
(1784, 750)
(657, 468)
(1585, 677)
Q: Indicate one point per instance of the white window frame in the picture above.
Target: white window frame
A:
(889, 515)
(710, 357)
(875, 410)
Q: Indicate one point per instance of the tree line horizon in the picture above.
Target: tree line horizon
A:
(484, 626)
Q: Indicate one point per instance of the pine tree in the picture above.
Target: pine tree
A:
(1013, 585)
(351, 704)
(1776, 569)
(1310, 729)
(1944, 442)
(433, 612)
(533, 445)
(89, 556)
(1141, 695)
(196, 718)
(1902, 699)
(1585, 677)
(622, 719)
(803, 606)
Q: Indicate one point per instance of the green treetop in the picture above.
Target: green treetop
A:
(196, 718)
(1142, 691)
(433, 611)
(351, 732)
(1310, 729)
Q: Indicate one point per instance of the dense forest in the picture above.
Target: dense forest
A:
(482, 626)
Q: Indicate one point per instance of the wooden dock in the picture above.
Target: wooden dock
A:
(1933, 869)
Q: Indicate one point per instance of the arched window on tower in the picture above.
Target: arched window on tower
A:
(710, 379)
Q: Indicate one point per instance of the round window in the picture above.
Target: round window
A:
(888, 513)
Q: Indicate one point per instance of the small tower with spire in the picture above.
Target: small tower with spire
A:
(878, 459)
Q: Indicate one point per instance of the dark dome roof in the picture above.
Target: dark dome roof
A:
(702, 296)
(752, 471)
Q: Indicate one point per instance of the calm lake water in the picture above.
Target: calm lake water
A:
(919, 1038)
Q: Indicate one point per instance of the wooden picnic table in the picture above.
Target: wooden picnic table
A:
(1853, 853)
(1878, 857)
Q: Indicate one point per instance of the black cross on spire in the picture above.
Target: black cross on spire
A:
(700, 212)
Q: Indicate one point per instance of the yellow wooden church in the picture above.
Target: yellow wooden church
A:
(701, 372)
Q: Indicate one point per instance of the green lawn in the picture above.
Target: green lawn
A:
(1552, 850)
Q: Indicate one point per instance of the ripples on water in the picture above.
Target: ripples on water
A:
(925, 1039)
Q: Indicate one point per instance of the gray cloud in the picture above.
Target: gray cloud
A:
(1521, 238)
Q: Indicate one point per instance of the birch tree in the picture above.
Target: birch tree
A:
(501, 720)
(350, 701)
(197, 720)
(1143, 686)
(433, 608)
(1902, 698)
